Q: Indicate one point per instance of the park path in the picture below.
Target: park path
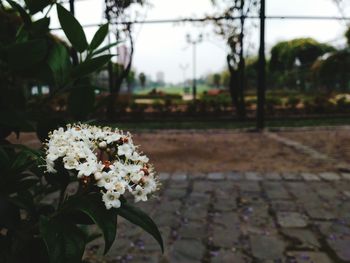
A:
(242, 217)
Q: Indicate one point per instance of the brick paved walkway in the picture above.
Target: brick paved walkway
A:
(243, 217)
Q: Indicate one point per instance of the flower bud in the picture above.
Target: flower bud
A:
(102, 145)
(98, 176)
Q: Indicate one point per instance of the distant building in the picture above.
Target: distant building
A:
(160, 77)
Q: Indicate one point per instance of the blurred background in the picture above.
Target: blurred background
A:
(212, 66)
(243, 107)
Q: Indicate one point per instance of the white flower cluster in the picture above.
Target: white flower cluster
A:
(104, 157)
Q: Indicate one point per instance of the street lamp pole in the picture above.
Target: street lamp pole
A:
(194, 51)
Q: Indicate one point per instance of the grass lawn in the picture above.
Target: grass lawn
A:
(172, 90)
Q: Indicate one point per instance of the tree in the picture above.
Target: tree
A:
(119, 12)
(333, 72)
(295, 57)
(217, 80)
(142, 79)
(232, 30)
(347, 35)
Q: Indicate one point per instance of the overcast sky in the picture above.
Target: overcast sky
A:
(163, 47)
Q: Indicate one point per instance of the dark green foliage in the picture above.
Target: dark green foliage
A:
(81, 101)
(72, 29)
(91, 65)
(26, 17)
(65, 242)
(19, 58)
(333, 72)
(30, 55)
(99, 36)
(59, 62)
(35, 6)
(291, 62)
(92, 206)
(140, 218)
(306, 50)
(347, 35)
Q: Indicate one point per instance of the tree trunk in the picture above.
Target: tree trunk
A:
(118, 81)
(233, 85)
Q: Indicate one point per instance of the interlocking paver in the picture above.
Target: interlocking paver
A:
(179, 176)
(192, 230)
(225, 238)
(253, 176)
(302, 238)
(228, 256)
(308, 257)
(267, 247)
(235, 176)
(242, 217)
(310, 177)
(329, 176)
(187, 251)
(216, 176)
(276, 190)
(291, 219)
(345, 176)
(291, 176)
(272, 176)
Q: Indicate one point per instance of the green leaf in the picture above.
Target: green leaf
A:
(22, 34)
(10, 216)
(4, 159)
(24, 200)
(23, 161)
(26, 18)
(41, 26)
(105, 48)
(59, 63)
(81, 101)
(91, 65)
(27, 54)
(93, 206)
(141, 219)
(72, 28)
(35, 6)
(99, 36)
(65, 242)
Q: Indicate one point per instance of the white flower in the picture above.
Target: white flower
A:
(102, 145)
(98, 176)
(106, 181)
(51, 157)
(87, 168)
(120, 187)
(70, 162)
(111, 199)
(143, 158)
(125, 149)
(87, 150)
(136, 177)
(139, 194)
(50, 166)
(112, 137)
(150, 184)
